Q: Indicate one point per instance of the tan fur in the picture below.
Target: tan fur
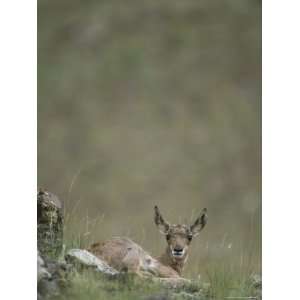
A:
(178, 238)
(125, 255)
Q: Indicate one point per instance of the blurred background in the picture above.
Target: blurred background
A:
(153, 102)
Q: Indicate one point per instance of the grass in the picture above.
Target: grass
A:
(227, 281)
(90, 286)
(224, 284)
(223, 280)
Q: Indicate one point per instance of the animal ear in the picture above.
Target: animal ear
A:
(162, 225)
(199, 223)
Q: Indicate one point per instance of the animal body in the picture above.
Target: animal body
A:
(125, 255)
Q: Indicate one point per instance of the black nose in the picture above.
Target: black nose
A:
(177, 249)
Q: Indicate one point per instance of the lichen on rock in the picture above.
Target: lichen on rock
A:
(49, 224)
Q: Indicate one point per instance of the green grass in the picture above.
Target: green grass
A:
(228, 281)
(224, 281)
(90, 286)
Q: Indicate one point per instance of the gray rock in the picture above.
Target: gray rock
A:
(49, 224)
(256, 281)
(42, 272)
(87, 259)
(188, 296)
(52, 277)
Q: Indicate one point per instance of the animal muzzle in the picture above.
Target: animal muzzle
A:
(178, 252)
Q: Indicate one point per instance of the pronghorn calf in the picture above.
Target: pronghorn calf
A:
(125, 255)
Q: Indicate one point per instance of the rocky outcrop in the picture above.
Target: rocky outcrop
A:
(51, 277)
(49, 224)
(42, 272)
(55, 282)
(51, 273)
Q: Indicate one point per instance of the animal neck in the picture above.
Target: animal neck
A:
(167, 259)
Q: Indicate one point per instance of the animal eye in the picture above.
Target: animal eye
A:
(168, 237)
(190, 237)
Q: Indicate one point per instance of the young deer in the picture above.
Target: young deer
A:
(125, 255)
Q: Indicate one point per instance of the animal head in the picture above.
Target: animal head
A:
(179, 236)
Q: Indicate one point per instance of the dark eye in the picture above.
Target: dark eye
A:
(190, 237)
(168, 236)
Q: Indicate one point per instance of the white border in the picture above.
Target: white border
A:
(18, 149)
(281, 149)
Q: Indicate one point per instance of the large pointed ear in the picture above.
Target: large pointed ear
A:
(162, 225)
(199, 223)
